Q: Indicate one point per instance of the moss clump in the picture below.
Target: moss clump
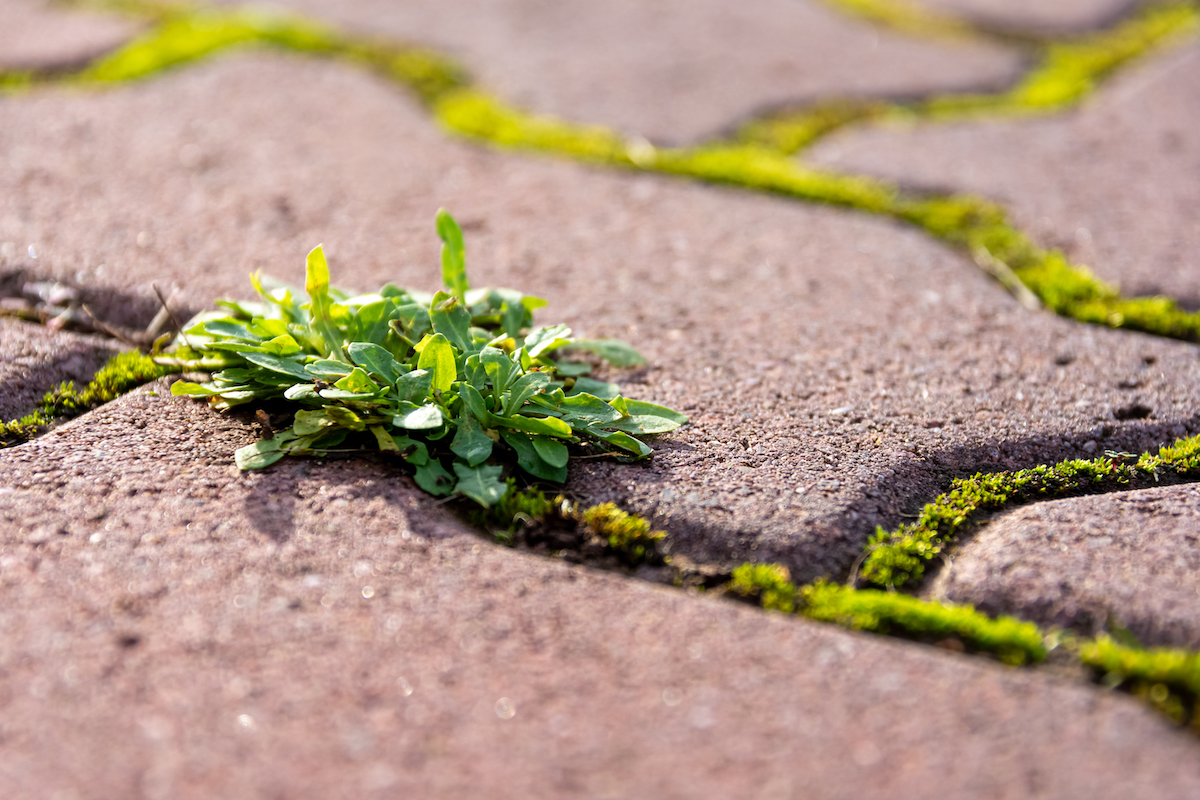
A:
(625, 533)
(1166, 678)
(897, 557)
(121, 373)
(791, 131)
(517, 508)
(770, 584)
(1012, 641)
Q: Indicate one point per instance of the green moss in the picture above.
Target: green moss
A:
(770, 584)
(121, 373)
(790, 131)
(906, 17)
(518, 507)
(897, 557)
(1166, 678)
(625, 533)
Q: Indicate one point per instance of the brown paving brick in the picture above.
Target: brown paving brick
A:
(670, 70)
(35, 35)
(838, 369)
(1131, 556)
(174, 629)
(1112, 184)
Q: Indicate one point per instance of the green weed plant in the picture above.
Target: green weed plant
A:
(457, 383)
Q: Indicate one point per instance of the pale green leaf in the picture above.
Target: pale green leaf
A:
(614, 351)
(438, 358)
(482, 483)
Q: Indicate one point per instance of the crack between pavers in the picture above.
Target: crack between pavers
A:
(760, 157)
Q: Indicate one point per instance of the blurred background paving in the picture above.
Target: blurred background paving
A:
(180, 629)
(38, 35)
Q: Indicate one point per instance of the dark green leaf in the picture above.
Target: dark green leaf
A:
(328, 369)
(544, 340)
(345, 417)
(524, 388)
(413, 387)
(476, 404)
(450, 319)
(433, 478)
(642, 408)
(470, 442)
(414, 451)
(606, 391)
(283, 366)
(308, 422)
(548, 426)
(623, 441)
(499, 367)
(572, 369)
(482, 484)
(614, 351)
(375, 359)
(552, 451)
(587, 408)
(530, 460)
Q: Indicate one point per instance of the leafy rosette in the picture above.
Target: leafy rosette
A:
(458, 384)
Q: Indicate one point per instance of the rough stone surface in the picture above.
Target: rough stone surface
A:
(1131, 556)
(35, 35)
(34, 359)
(1035, 15)
(838, 368)
(174, 629)
(1112, 184)
(670, 70)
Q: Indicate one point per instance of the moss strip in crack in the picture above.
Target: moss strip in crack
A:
(895, 558)
(122, 372)
(906, 17)
(1065, 73)
(1012, 641)
(1166, 678)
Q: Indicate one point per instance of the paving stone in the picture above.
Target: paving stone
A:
(1111, 184)
(670, 70)
(1033, 15)
(35, 359)
(1131, 556)
(36, 35)
(175, 629)
(838, 369)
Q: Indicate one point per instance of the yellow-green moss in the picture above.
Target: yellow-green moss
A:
(770, 584)
(627, 534)
(906, 17)
(897, 557)
(121, 373)
(1166, 678)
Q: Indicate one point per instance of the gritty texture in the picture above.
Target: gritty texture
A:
(34, 359)
(35, 35)
(1037, 16)
(838, 369)
(670, 70)
(176, 629)
(1132, 557)
(1113, 184)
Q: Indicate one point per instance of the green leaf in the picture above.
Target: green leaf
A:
(606, 391)
(644, 424)
(548, 426)
(358, 382)
(433, 478)
(386, 443)
(267, 328)
(264, 452)
(476, 404)
(413, 387)
(327, 369)
(544, 340)
(622, 441)
(188, 389)
(454, 256)
(587, 408)
(438, 358)
(419, 454)
(376, 359)
(552, 451)
(470, 443)
(482, 484)
(230, 329)
(316, 283)
(642, 408)
(419, 419)
(302, 391)
(283, 366)
(530, 460)
(308, 422)
(499, 367)
(524, 388)
(283, 345)
(345, 417)
(449, 318)
(572, 369)
(614, 351)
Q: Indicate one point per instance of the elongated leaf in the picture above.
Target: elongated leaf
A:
(302, 392)
(189, 389)
(328, 369)
(470, 443)
(450, 319)
(283, 345)
(256, 456)
(267, 328)
(454, 255)
(316, 283)
(499, 367)
(438, 357)
(476, 404)
(414, 451)
(433, 478)
(544, 340)
(548, 426)
(601, 389)
(375, 359)
(530, 460)
(524, 388)
(623, 441)
(614, 351)
(230, 329)
(587, 408)
(345, 417)
(386, 443)
(552, 451)
(642, 408)
(283, 366)
(482, 484)
(308, 422)
(643, 424)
